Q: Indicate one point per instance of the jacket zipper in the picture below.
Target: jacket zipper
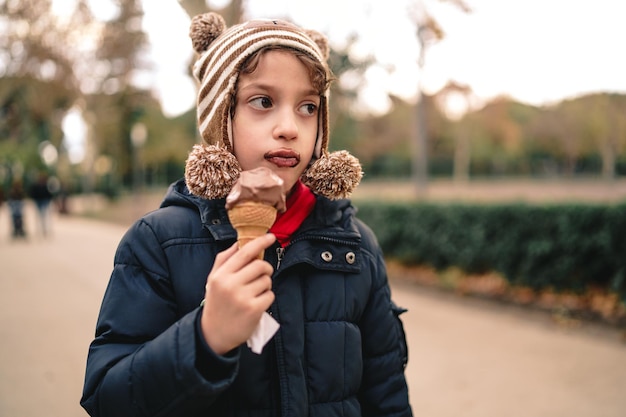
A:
(280, 252)
(326, 239)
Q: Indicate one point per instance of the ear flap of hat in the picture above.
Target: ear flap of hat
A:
(211, 171)
(218, 129)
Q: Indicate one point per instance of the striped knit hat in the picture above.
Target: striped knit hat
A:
(211, 168)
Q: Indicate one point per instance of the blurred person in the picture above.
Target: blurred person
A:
(62, 199)
(2, 197)
(40, 193)
(183, 299)
(16, 207)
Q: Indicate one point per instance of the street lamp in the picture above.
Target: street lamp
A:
(48, 153)
(455, 101)
(138, 137)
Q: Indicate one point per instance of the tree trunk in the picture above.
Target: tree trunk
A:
(420, 147)
(462, 156)
(232, 13)
(608, 160)
(193, 7)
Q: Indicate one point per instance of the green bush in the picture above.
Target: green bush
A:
(563, 247)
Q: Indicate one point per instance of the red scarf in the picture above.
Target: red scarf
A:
(299, 205)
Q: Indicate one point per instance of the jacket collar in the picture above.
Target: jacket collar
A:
(330, 218)
(212, 212)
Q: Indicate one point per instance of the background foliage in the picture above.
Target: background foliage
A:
(52, 65)
(565, 247)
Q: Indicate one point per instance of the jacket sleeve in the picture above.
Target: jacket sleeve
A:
(144, 358)
(384, 391)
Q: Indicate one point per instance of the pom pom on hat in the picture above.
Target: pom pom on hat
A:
(205, 28)
(334, 175)
(211, 171)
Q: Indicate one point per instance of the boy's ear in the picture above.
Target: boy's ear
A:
(321, 41)
(205, 28)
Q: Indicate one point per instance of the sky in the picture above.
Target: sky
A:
(536, 51)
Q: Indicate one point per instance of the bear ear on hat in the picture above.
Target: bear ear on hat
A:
(320, 41)
(205, 28)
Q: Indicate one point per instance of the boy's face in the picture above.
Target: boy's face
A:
(276, 117)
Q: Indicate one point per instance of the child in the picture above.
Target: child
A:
(183, 299)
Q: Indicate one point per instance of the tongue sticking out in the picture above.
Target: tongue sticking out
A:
(283, 158)
(283, 162)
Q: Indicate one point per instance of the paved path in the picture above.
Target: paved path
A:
(467, 358)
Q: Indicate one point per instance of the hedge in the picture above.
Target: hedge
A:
(561, 247)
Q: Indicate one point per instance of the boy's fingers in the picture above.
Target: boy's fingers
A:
(260, 285)
(251, 250)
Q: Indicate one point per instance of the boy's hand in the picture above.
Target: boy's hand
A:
(238, 291)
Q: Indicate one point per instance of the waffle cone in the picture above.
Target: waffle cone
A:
(251, 220)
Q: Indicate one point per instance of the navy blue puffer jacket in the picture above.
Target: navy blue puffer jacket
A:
(340, 350)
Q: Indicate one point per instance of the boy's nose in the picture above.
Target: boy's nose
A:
(286, 126)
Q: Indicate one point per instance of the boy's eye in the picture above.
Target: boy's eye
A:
(309, 109)
(261, 102)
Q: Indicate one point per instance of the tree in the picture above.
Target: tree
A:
(232, 12)
(383, 147)
(113, 103)
(428, 32)
(29, 113)
(606, 125)
(454, 100)
(38, 80)
(498, 135)
(560, 130)
(71, 59)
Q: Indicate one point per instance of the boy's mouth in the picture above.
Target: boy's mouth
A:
(283, 158)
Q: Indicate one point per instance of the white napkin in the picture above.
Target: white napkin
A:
(262, 334)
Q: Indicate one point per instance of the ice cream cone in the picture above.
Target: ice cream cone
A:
(251, 220)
